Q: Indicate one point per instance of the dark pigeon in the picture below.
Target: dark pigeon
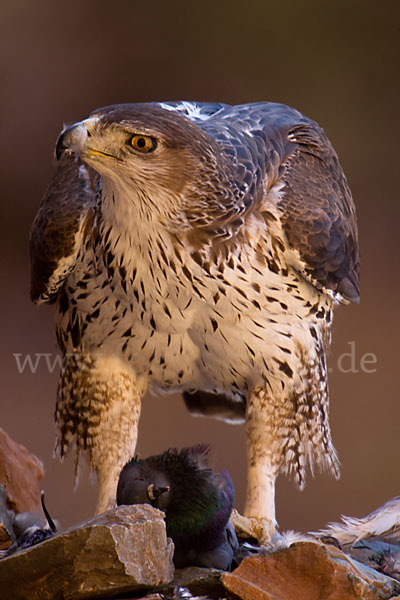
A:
(197, 503)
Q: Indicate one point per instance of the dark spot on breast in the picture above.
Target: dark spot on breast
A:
(214, 324)
(108, 258)
(178, 255)
(82, 296)
(313, 333)
(284, 367)
(258, 324)
(127, 333)
(187, 273)
(75, 334)
(256, 287)
(197, 291)
(256, 304)
(162, 251)
(250, 350)
(285, 350)
(188, 303)
(197, 258)
(153, 323)
(241, 292)
(272, 265)
(63, 303)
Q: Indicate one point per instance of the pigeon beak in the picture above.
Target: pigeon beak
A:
(155, 491)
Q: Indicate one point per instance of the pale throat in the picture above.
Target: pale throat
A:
(138, 222)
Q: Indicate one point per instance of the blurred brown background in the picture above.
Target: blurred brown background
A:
(338, 62)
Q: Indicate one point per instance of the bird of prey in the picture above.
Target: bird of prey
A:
(197, 503)
(197, 248)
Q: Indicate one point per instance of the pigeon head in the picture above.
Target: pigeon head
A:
(141, 483)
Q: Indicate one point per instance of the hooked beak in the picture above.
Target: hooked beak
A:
(155, 491)
(74, 139)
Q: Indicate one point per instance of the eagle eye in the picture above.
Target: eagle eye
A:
(143, 143)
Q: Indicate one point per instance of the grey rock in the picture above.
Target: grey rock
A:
(199, 581)
(120, 551)
(378, 553)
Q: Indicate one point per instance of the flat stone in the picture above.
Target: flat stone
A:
(20, 474)
(198, 580)
(308, 571)
(378, 553)
(123, 550)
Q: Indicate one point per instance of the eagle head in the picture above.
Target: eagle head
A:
(157, 158)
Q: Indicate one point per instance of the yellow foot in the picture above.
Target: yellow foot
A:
(263, 530)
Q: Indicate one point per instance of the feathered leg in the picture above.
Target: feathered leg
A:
(262, 456)
(98, 408)
(286, 432)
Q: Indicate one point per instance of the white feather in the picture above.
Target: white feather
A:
(190, 109)
(385, 520)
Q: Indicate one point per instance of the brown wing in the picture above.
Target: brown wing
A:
(268, 144)
(60, 227)
(318, 213)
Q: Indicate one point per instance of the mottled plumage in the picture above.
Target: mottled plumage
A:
(198, 248)
(197, 503)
